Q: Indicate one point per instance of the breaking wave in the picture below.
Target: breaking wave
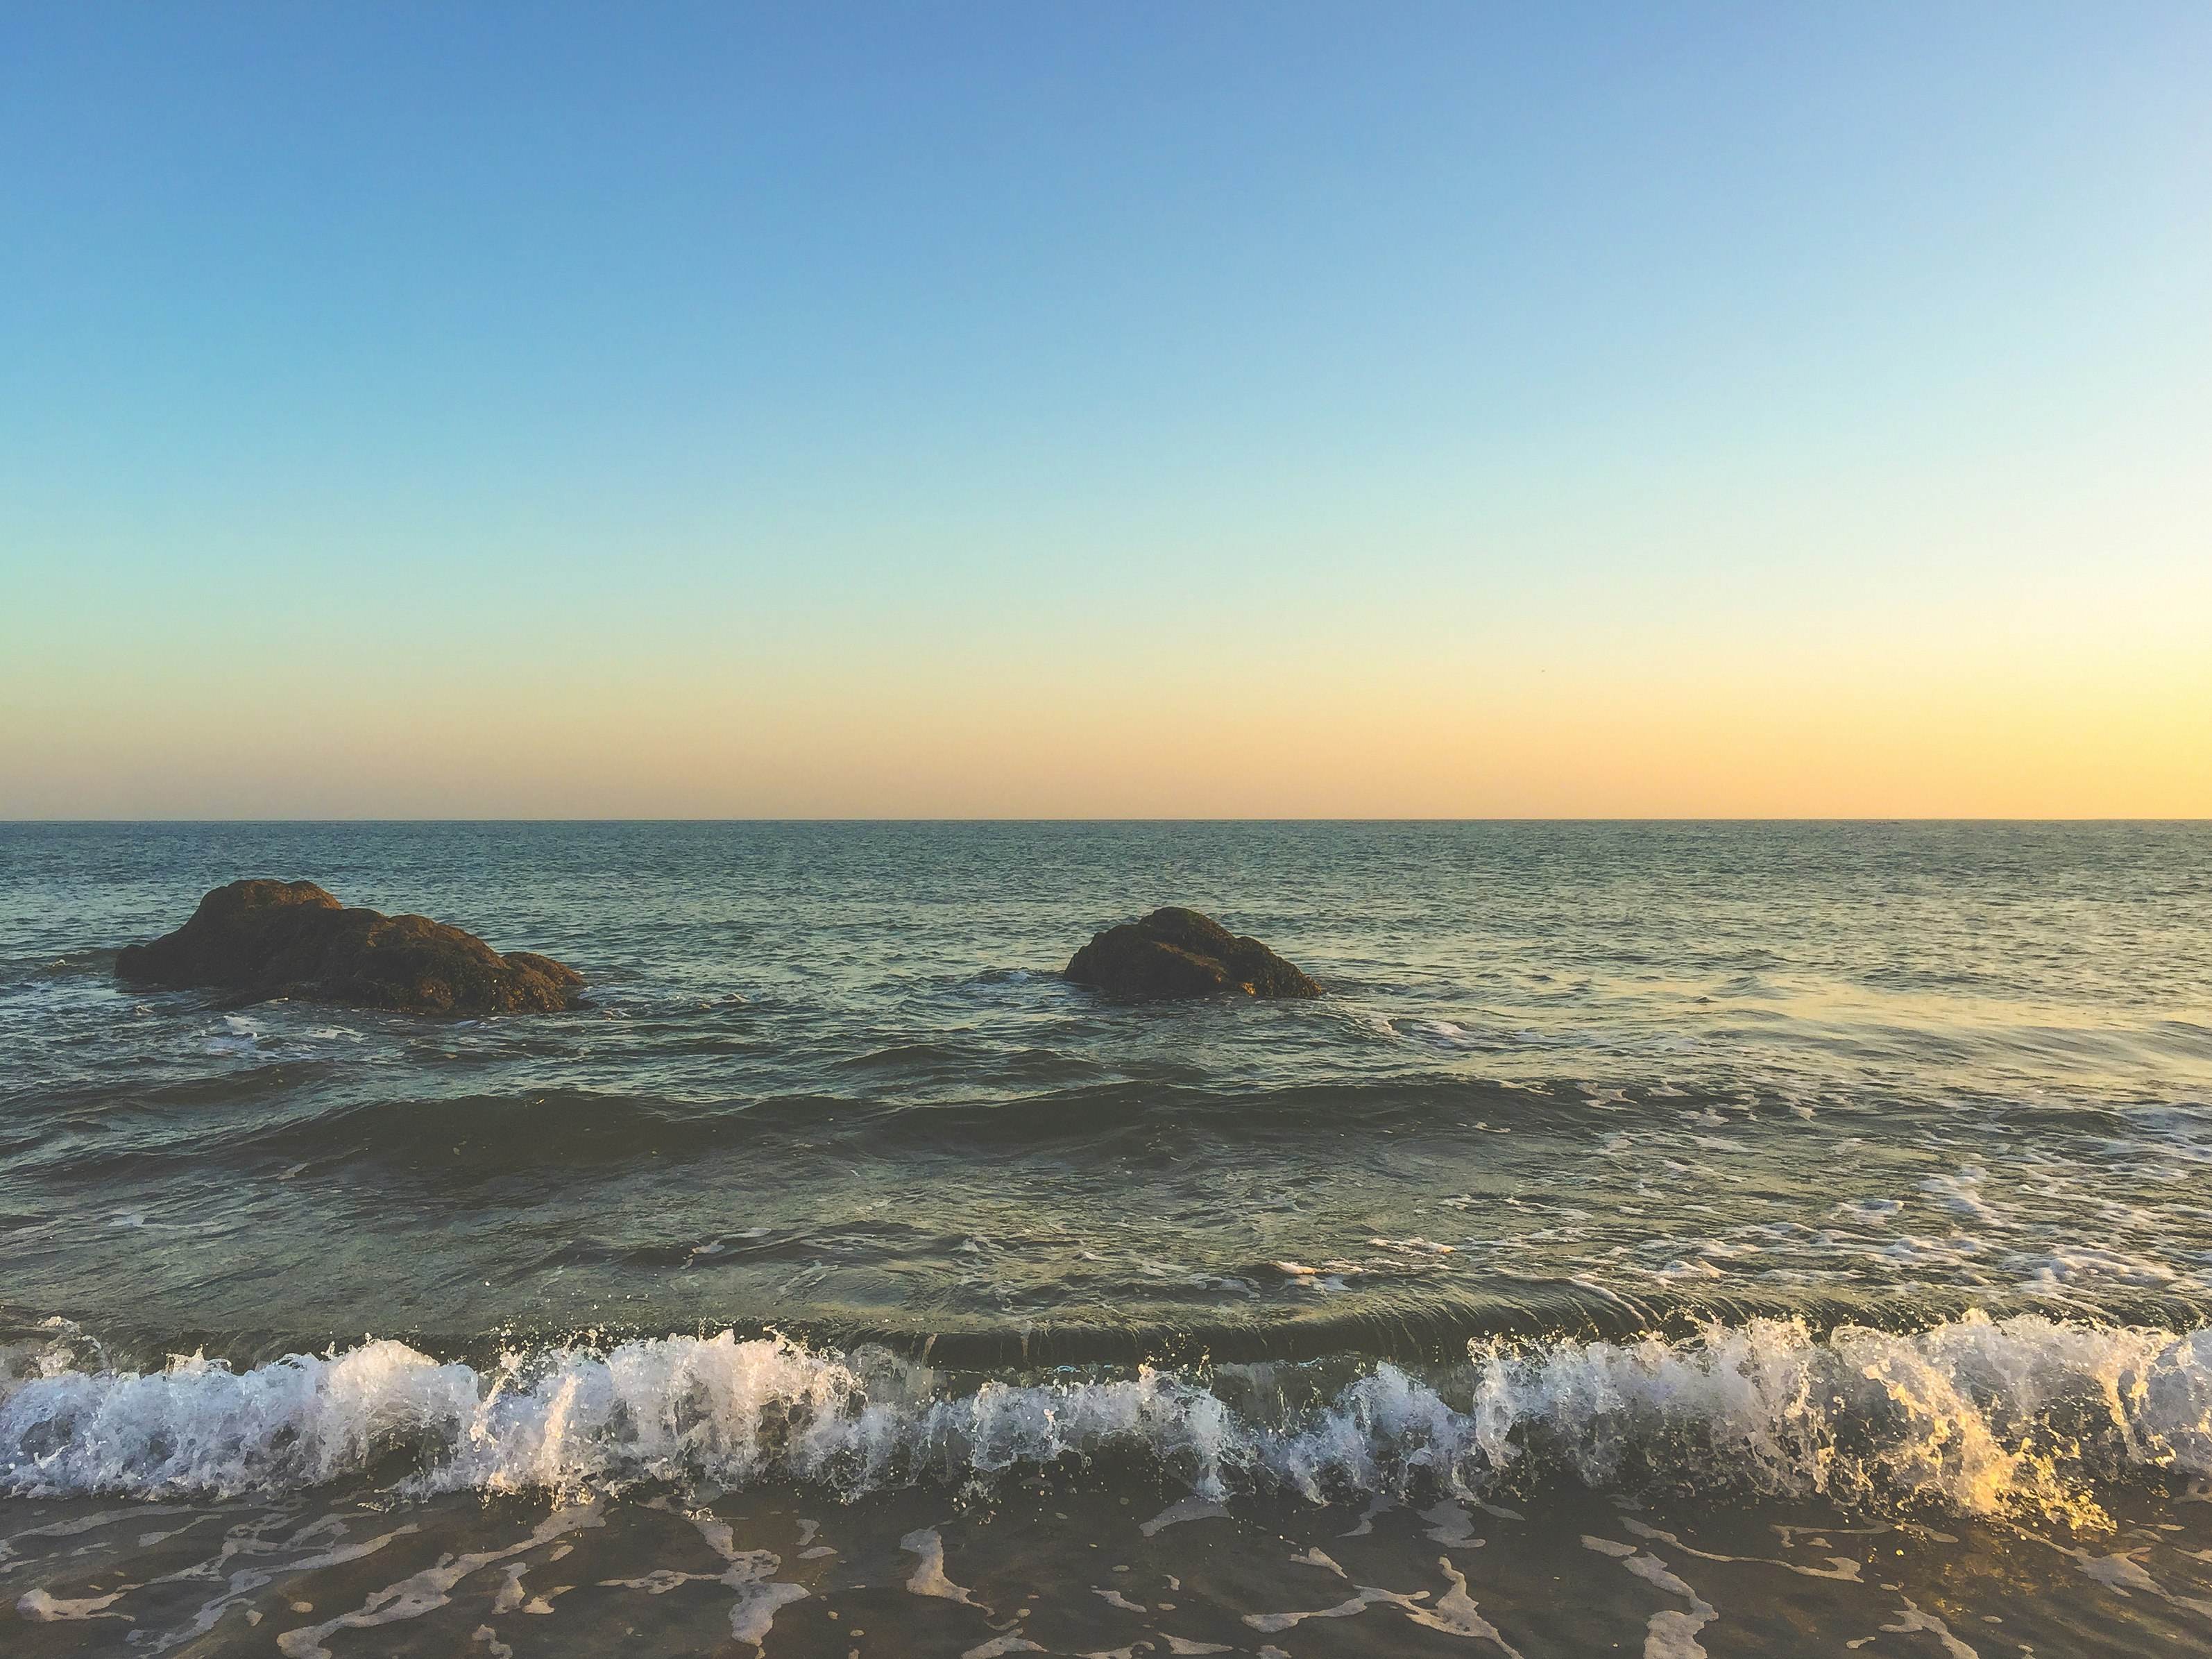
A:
(2021, 1416)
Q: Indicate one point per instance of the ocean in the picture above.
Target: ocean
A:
(1667, 1238)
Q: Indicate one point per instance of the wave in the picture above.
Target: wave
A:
(1978, 1416)
(560, 1129)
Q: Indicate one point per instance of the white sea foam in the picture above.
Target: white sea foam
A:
(929, 1578)
(1189, 1509)
(2065, 1267)
(2022, 1415)
(425, 1591)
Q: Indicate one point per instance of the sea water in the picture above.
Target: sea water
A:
(1737, 1239)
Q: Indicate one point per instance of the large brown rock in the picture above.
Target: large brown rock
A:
(1180, 953)
(290, 939)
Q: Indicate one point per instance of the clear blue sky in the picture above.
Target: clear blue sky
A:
(1105, 409)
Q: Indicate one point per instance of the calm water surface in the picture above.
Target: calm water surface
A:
(1752, 1239)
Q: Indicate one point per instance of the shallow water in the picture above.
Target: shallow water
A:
(1692, 1192)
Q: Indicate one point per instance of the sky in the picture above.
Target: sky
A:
(1103, 410)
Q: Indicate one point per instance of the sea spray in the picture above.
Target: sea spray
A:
(1977, 1417)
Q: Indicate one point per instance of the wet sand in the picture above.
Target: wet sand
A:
(1079, 1566)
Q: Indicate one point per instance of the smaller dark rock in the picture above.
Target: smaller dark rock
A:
(1179, 953)
(261, 940)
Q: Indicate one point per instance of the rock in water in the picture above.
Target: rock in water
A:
(290, 939)
(1180, 953)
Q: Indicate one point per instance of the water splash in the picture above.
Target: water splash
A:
(2026, 1415)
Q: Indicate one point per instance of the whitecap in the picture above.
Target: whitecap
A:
(1961, 1415)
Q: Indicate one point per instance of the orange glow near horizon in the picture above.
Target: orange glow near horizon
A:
(1846, 736)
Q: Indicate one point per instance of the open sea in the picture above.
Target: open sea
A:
(1661, 1239)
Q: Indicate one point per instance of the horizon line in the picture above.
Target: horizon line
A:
(858, 819)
